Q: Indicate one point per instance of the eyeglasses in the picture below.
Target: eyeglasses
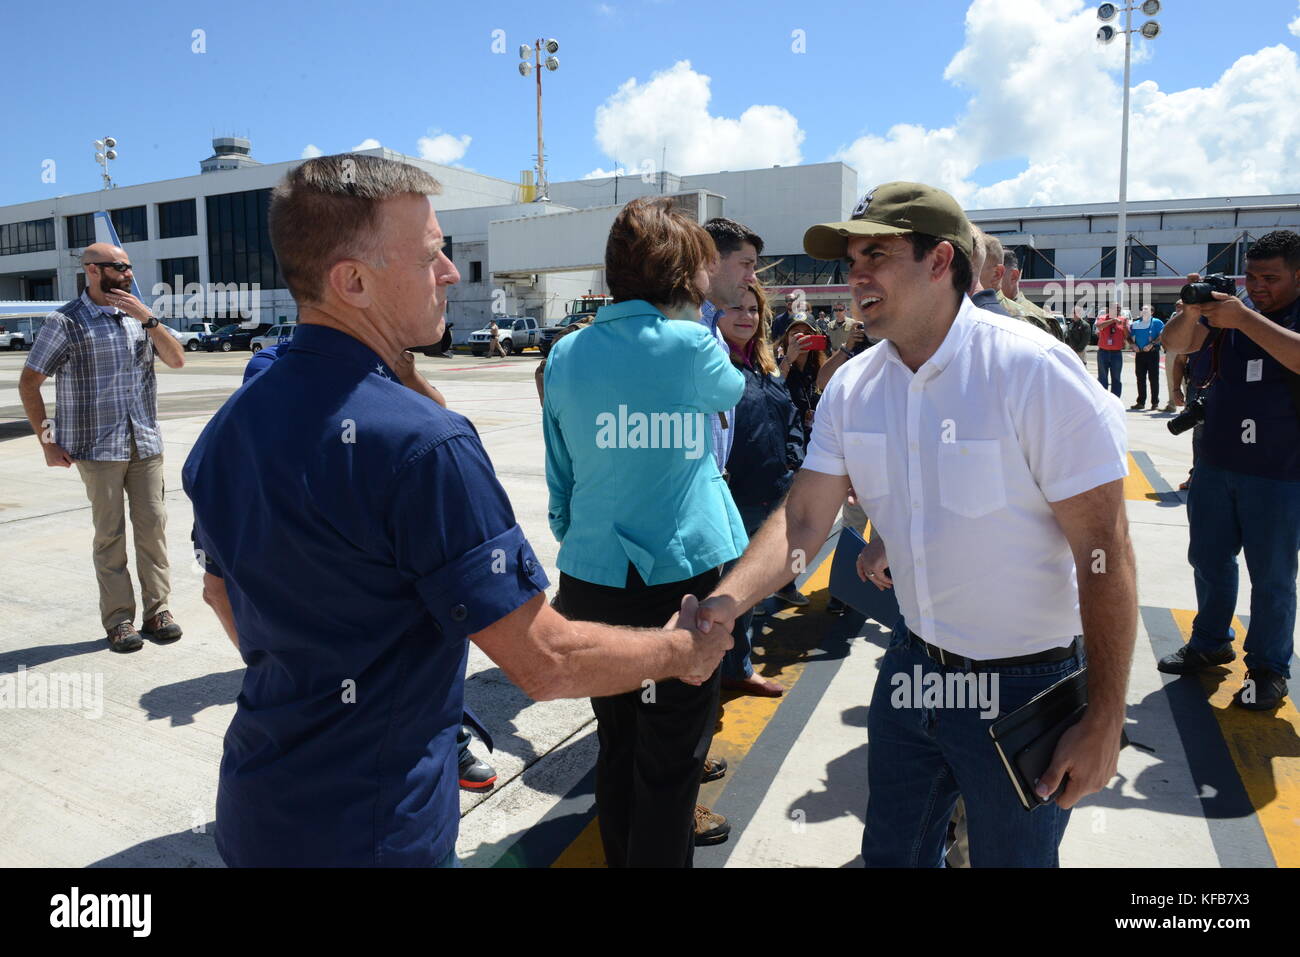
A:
(120, 267)
(839, 308)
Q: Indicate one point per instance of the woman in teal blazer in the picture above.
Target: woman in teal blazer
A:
(642, 512)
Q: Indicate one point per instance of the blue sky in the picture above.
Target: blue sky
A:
(287, 74)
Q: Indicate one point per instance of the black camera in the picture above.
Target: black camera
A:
(1198, 292)
(1192, 416)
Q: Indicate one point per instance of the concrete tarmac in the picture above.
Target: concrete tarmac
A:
(128, 778)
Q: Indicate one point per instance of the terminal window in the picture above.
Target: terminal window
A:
(33, 236)
(81, 230)
(131, 224)
(177, 219)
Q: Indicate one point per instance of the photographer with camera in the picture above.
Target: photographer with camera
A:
(1245, 490)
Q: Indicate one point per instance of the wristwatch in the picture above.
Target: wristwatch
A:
(847, 353)
(153, 321)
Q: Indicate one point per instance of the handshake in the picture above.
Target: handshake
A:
(710, 623)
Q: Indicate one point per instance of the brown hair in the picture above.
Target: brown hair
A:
(654, 252)
(327, 209)
(759, 348)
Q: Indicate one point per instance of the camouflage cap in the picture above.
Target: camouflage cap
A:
(894, 209)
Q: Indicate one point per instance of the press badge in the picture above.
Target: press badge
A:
(1254, 370)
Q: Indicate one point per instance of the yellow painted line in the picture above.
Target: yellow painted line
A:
(1136, 486)
(743, 716)
(1262, 746)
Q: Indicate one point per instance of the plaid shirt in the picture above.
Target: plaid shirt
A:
(104, 388)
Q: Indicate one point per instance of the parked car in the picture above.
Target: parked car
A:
(273, 336)
(232, 337)
(13, 341)
(550, 333)
(516, 333)
(192, 336)
(440, 348)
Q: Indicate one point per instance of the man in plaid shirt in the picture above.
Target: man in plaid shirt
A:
(100, 348)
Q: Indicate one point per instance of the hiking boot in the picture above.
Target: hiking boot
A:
(1263, 690)
(161, 627)
(710, 828)
(1187, 660)
(714, 768)
(123, 637)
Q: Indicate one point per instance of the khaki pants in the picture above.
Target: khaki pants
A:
(142, 481)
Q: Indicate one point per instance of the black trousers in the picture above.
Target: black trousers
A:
(654, 740)
(1148, 370)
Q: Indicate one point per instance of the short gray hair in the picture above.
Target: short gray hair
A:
(327, 209)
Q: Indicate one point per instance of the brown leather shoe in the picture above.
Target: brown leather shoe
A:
(161, 627)
(710, 828)
(123, 637)
(714, 768)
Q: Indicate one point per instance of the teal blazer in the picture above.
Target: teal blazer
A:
(629, 448)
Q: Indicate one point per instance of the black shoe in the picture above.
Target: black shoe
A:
(476, 775)
(714, 768)
(835, 607)
(792, 596)
(1187, 660)
(1263, 690)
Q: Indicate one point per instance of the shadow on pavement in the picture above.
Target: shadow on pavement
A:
(10, 661)
(182, 849)
(184, 699)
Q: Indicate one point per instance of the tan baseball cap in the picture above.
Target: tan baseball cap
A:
(894, 209)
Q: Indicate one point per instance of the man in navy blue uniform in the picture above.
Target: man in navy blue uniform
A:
(1244, 494)
(356, 539)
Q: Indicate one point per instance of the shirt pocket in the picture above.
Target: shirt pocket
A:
(970, 477)
(864, 457)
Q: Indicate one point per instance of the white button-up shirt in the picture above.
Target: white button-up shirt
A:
(956, 465)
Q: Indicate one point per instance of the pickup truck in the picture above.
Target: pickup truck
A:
(192, 337)
(516, 333)
(13, 341)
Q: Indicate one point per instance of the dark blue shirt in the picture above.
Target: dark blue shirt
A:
(1251, 384)
(769, 441)
(363, 536)
(263, 358)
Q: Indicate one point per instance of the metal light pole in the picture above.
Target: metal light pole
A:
(1150, 30)
(104, 152)
(552, 63)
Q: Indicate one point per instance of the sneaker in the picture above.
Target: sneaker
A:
(710, 828)
(476, 775)
(792, 596)
(1168, 408)
(1155, 406)
(1263, 690)
(123, 637)
(835, 607)
(714, 768)
(1138, 407)
(161, 627)
(1187, 660)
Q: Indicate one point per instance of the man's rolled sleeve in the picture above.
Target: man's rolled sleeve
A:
(1074, 432)
(51, 348)
(455, 535)
(826, 447)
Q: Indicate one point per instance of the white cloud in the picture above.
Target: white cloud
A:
(442, 148)
(671, 110)
(311, 150)
(1045, 93)
(1294, 26)
(369, 143)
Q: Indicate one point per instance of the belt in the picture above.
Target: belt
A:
(949, 660)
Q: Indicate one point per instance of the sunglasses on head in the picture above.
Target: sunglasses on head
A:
(120, 267)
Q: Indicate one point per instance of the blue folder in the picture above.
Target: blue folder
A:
(863, 597)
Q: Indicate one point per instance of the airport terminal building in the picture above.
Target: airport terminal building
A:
(525, 258)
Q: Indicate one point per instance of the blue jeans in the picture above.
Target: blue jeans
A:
(735, 663)
(1228, 512)
(1110, 363)
(921, 758)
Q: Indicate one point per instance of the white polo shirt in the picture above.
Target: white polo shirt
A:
(956, 465)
